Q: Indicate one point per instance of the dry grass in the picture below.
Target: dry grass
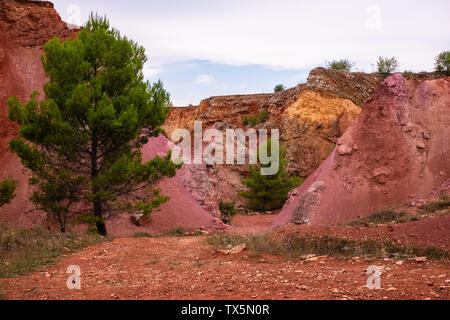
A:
(391, 216)
(23, 251)
(294, 247)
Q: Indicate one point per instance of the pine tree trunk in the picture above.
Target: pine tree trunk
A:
(98, 212)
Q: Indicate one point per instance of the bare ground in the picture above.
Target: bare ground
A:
(188, 268)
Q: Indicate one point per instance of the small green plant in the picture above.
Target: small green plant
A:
(343, 64)
(254, 120)
(177, 232)
(387, 65)
(142, 235)
(7, 189)
(279, 88)
(228, 210)
(443, 62)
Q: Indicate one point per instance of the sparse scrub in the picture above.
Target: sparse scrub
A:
(227, 210)
(23, 251)
(294, 247)
(381, 217)
(254, 120)
(279, 88)
(387, 65)
(443, 62)
(142, 235)
(343, 64)
(439, 205)
(7, 189)
(177, 232)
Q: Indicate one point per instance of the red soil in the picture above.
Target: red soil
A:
(188, 268)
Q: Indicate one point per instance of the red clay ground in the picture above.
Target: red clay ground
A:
(189, 268)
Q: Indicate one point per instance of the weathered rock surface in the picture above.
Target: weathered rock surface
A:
(25, 26)
(398, 151)
(310, 117)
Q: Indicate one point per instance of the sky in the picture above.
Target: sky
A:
(204, 48)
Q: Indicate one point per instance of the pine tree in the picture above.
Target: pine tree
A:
(269, 192)
(83, 142)
(7, 189)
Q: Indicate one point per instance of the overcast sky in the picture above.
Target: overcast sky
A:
(201, 48)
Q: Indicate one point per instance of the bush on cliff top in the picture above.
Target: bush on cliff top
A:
(343, 64)
(387, 65)
(443, 62)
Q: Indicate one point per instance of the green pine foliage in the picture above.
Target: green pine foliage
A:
(83, 142)
(227, 210)
(267, 193)
(7, 189)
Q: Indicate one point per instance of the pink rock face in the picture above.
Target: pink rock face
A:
(398, 151)
(182, 210)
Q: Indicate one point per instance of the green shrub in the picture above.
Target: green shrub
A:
(343, 64)
(142, 235)
(7, 189)
(228, 210)
(177, 232)
(279, 88)
(387, 65)
(443, 62)
(254, 120)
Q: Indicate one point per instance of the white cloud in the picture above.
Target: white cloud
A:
(285, 34)
(205, 79)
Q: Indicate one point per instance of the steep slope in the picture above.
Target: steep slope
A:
(396, 153)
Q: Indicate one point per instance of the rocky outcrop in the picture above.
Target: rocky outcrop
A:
(25, 26)
(311, 117)
(396, 153)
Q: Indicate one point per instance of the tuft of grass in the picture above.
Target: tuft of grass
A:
(142, 235)
(294, 247)
(177, 232)
(343, 64)
(23, 251)
(439, 205)
(381, 217)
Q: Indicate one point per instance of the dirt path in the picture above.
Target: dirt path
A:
(188, 268)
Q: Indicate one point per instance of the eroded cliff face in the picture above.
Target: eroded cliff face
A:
(25, 26)
(396, 153)
(310, 117)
